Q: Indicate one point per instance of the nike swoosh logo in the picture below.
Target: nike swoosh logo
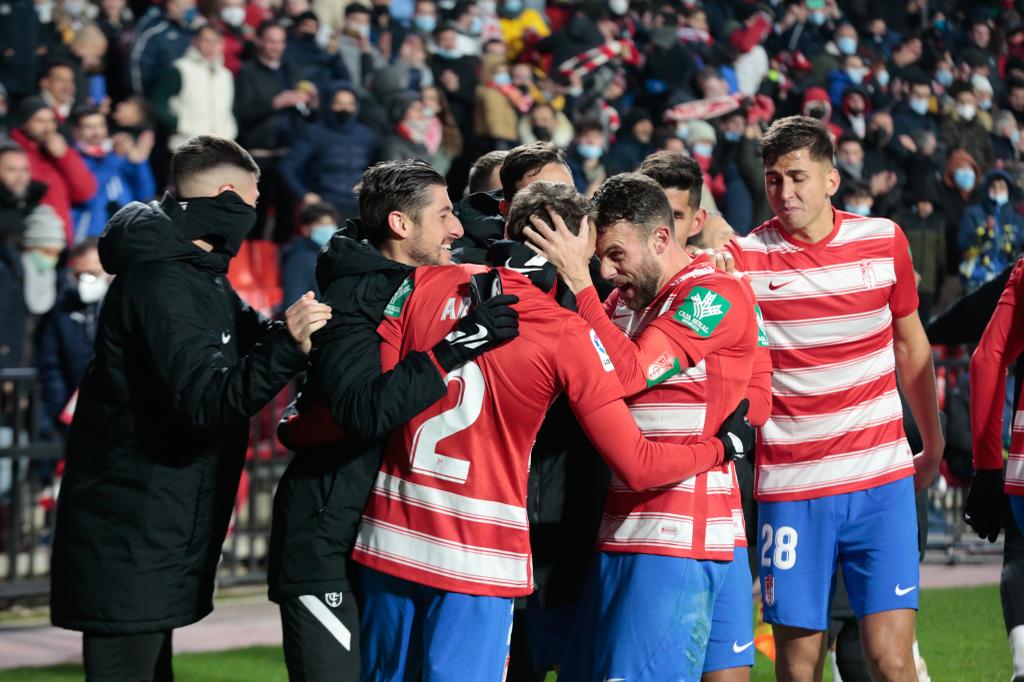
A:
(477, 338)
(737, 649)
(900, 592)
(772, 286)
(535, 264)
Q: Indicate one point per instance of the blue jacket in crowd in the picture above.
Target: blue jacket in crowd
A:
(991, 236)
(298, 270)
(118, 182)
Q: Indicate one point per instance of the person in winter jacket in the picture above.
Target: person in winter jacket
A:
(53, 162)
(991, 232)
(160, 430)
(963, 128)
(120, 166)
(162, 36)
(960, 179)
(320, 498)
(925, 227)
(317, 222)
(327, 159)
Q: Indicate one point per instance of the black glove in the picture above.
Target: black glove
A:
(491, 322)
(983, 510)
(736, 433)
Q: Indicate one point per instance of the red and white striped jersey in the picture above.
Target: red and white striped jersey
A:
(828, 308)
(1000, 345)
(696, 343)
(448, 508)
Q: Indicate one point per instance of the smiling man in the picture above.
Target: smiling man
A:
(834, 468)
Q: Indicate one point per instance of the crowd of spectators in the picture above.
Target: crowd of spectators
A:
(926, 101)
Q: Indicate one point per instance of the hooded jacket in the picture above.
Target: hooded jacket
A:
(991, 236)
(954, 203)
(159, 435)
(329, 157)
(321, 496)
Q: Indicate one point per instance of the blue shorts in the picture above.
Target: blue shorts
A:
(453, 636)
(873, 535)
(1017, 506)
(643, 617)
(731, 644)
(548, 630)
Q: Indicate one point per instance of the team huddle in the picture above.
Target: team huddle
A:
(403, 529)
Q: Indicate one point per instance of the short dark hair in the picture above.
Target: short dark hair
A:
(394, 186)
(208, 27)
(82, 111)
(83, 247)
(355, 8)
(589, 124)
(791, 133)
(206, 152)
(675, 171)
(53, 64)
(482, 168)
(526, 160)
(855, 190)
(268, 24)
(848, 139)
(314, 212)
(534, 200)
(633, 198)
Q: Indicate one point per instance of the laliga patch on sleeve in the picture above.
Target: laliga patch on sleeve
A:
(401, 295)
(666, 366)
(606, 361)
(762, 335)
(702, 311)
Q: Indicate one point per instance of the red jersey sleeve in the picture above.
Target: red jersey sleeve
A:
(583, 368)
(903, 300)
(1000, 345)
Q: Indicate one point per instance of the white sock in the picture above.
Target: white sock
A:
(836, 677)
(1016, 638)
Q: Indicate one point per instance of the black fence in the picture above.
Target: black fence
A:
(29, 482)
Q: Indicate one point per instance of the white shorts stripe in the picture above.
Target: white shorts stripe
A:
(328, 620)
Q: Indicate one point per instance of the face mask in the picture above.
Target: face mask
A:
(732, 135)
(428, 112)
(985, 104)
(966, 111)
(1015, 137)
(321, 234)
(502, 78)
(591, 151)
(882, 77)
(919, 106)
(856, 75)
(363, 30)
(73, 7)
(233, 16)
(487, 7)
(704, 149)
(859, 209)
(342, 117)
(476, 26)
(940, 24)
(447, 54)
(1000, 199)
(945, 78)
(818, 112)
(92, 289)
(190, 16)
(818, 18)
(512, 7)
(223, 221)
(964, 178)
(541, 133)
(682, 131)
(42, 262)
(847, 45)
(425, 23)
(618, 7)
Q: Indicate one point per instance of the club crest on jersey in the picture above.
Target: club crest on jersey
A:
(702, 311)
(867, 273)
(332, 599)
(769, 590)
(397, 302)
(667, 365)
(606, 361)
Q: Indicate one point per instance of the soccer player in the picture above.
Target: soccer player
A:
(683, 337)
(445, 537)
(834, 468)
(1001, 344)
(730, 651)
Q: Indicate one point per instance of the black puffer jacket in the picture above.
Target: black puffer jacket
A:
(158, 441)
(321, 496)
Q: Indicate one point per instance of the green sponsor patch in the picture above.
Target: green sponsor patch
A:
(702, 311)
(762, 335)
(663, 368)
(397, 302)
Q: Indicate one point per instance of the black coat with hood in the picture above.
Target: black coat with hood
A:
(158, 440)
(321, 496)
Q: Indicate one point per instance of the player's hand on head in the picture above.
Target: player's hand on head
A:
(569, 253)
(984, 508)
(304, 317)
(736, 433)
(488, 325)
(720, 258)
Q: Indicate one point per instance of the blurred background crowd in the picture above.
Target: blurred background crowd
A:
(926, 101)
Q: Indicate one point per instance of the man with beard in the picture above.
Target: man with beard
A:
(158, 440)
(683, 337)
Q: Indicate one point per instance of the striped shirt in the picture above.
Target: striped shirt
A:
(694, 346)
(828, 309)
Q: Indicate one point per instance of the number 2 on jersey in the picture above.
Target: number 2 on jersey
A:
(785, 547)
(425, 458)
